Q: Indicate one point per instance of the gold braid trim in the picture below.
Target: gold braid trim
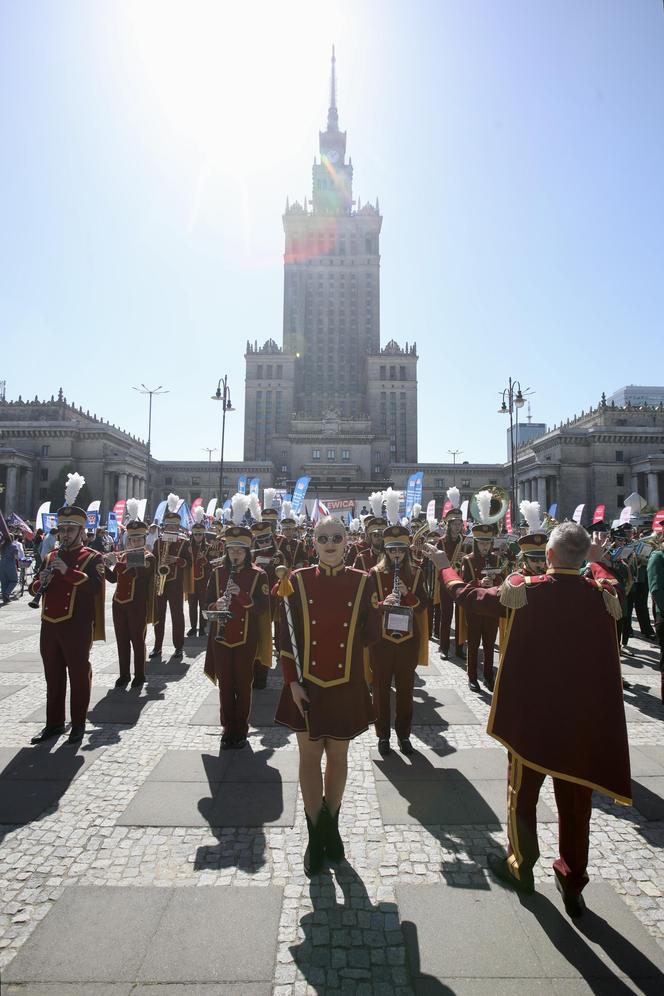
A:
(513, 596)
(612, 603)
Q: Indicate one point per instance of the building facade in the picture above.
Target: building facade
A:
(330, 380)
(40, 438)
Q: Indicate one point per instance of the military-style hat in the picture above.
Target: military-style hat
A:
(483, 531)
(453, 513)
(72, 514)
(377, 524)
(238, 536)
(533, 544)
(288, 521)
(269, 513)
(396, 536)
(599, 527)
(620, 531)
(260, 529)
(135, 527)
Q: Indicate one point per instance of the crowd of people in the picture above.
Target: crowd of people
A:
(347, 614)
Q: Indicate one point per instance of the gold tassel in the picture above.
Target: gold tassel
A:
(612, 603)
(513, 596)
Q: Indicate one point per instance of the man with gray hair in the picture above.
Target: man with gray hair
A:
(560, 647)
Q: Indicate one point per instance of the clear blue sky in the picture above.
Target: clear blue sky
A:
(148, 149)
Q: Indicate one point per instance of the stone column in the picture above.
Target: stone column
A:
(653, 490)
(30, 507)
(122, 486)
(541, 493)
(10, 494)
(141, 488)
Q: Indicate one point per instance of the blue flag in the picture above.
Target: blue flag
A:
(410, 494)
(242, 484)
(253, 485)
(299, 492)
(112, 525)
(553, 509)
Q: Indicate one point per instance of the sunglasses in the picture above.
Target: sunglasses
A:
(324, 539)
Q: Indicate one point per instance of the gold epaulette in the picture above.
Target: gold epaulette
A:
(610, 596)
(513, 592)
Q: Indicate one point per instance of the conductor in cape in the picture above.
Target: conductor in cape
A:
(557, 706)
(327, 620)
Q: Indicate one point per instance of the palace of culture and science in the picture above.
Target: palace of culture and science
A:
(330, 403)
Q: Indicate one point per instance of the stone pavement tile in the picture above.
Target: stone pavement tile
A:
(169, 804)
(262, 766)
(431, 803)
(13, 635)
(92, 934)
(247, 920)
(646, 759)
(484, 987)
(648, 796)
(108, 705)
(22, 664)
(69, 989)
(454, 934)
(190, 766)
(440, 707)
(23, 801)
(7, 690)
(471, 762)
(217, 804)
(634, 715)
(263, 708)
(244, 804)
(203, 989)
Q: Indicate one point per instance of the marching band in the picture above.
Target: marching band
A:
(345, 613)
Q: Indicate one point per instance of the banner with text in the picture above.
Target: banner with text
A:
(340, 504)
(299, 493)
(598, 514)
(431, 509)
(112, 524)
(91, 521)
(419, 484)
(119, 510)
(578, 513)
(242, 484)
(553, 510)
(253, 485)
(658, 521)
(410, 495)
(49, 521)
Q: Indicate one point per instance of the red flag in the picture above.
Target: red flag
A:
(119, 510)
(195, 504)
(598, 514)
(446, 507)
(508, 518)
(658, 522)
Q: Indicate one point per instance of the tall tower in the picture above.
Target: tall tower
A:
(331, 282)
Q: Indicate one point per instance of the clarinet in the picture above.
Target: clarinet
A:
(226, 614)
(49, 571)
(396, 590)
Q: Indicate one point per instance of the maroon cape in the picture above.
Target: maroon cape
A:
(558, 701)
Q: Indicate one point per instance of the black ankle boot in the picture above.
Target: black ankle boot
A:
(334, 845)
(314, 855)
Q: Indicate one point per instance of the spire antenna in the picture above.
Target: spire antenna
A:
(332, 115)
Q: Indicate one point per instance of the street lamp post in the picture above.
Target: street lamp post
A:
(223, 394)
(209, 450)
(455, 454)
(147, 390)
(513, 399)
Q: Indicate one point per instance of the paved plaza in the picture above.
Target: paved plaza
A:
(148, 862)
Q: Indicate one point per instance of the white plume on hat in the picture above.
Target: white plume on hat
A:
(199, 515)
(433, 525)
(405, 522)
(454, 495)
(132, 507)
(354, 526)
(483, 501)
(239, 506)
(227, 513)
(172, 502)
(376, 502)
(530, 510)
(74, 484)
(255, 508)
(286, 507)
(392, 500)
(269, 494)
(302, 518)
(219, 515)
(417, 508)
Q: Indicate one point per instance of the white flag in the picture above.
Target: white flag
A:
(464, 510)
(578, 513)
(626, 515)
(431, 509)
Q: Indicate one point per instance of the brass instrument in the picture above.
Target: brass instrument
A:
(500, 502)
(397, 618)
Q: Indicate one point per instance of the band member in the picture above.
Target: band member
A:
(368, 558)
(133, 573)
(452, 544)
(267, 556)
(656, 588)
(240, 589)
(71, 583)
(481, 567)
(271, 516)
(356, 543)
(290, 547)
(403, 643)
(546, 709)
(200, 555)
(325, 698)
(174, 579)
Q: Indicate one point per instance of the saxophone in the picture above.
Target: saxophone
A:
(162, 569)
